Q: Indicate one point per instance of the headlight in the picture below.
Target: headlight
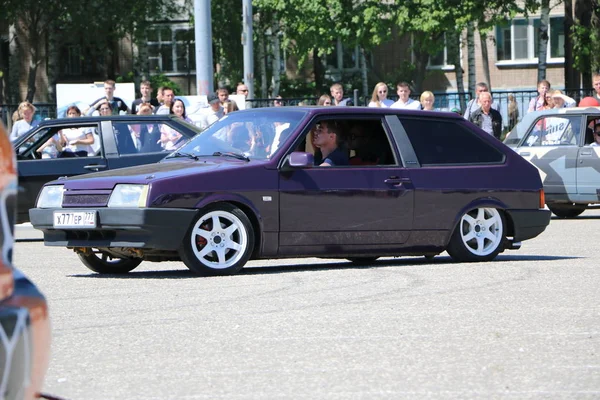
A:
(129, 196)
(51, 196)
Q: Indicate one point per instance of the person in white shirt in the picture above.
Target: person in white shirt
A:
(560, 100)
(26, 123)
(404, 101)
(212, 113)
(168, 96)
(379, 96)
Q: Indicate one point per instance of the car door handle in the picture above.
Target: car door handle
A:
(586, 152)
(525, 154)
(396, 181)
(94, 166)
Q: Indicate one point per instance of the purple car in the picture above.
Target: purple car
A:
(336, 182)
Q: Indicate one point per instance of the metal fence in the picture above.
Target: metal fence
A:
(443, 101)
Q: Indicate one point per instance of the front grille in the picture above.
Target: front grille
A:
(87, 198)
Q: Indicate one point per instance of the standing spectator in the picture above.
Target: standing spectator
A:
(146, 91)
(379, 96)
(473, 104)
(212, 113)
(26, 110)
(223, 95)
(540, 102)
(159, 96)
(337, 94)
(513, 111)
(116, 103)
(168, 95)
(242, 90)
(404, 101)
(596, 83)
(178, 109)
(486, 117)
(427, 100)
(324, 100)
(560, 100)
(278, 102)
(230, 106)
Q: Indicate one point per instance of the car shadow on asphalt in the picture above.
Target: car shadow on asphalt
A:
(318, 266)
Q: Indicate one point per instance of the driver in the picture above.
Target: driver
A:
(328, 139)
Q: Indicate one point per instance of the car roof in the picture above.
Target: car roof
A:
(324, 110)
(92, 119)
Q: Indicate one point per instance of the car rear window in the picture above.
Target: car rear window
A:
(440, 142)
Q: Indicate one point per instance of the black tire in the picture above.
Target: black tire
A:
(478, 236)
(208, 253)
(362, 260)
(105, 264)
(567, 210)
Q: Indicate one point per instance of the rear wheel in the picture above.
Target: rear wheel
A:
(220, 242)
(567, 210)
(478, 236)
(103, 263)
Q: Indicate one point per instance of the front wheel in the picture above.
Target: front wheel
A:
(220, 242)
(478, 236)
(103, 263)
(567, 210)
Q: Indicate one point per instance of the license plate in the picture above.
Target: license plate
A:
(74, 219)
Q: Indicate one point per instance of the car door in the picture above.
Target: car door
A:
(346, 209)
(132, 142)
(552, 145)
(588, 164)
(34, 171)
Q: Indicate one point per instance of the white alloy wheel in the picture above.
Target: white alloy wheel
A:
(481, 231)
(219, 239)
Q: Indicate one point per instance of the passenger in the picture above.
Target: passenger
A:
(596, 141)
(360, 143)
(379, 96)
(54, 145)
(77, 142)
(329, 140)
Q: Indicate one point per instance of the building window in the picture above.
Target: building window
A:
(343, 58)
(171, 48)
(441, 60)
(519, 40)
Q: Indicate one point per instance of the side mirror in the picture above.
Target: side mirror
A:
(299, 160)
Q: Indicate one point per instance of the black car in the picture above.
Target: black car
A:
(114, 147)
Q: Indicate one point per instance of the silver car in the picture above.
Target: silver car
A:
(562, 145)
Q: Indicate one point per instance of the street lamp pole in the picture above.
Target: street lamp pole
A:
(204, 56)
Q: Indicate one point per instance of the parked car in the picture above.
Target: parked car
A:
(24, 318)
(107, 153)
(418, 183)
(559, 143)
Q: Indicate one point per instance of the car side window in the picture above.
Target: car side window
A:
(360, 142)
(136, 137)
(442, 142)
(551, 130)
(60, 141)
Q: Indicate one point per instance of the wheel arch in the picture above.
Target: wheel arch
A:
(246, 206)
(490, 202)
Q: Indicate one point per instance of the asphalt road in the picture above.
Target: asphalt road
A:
(526, 326)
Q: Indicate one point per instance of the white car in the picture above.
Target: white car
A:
(560, 143)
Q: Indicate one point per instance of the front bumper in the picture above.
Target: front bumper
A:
(528, 223)
(149, 228)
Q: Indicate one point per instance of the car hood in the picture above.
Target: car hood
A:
(144, 174)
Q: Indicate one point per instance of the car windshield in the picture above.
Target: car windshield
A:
(251, 134)
(514, 137)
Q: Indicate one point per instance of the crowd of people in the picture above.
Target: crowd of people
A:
(481, 110)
